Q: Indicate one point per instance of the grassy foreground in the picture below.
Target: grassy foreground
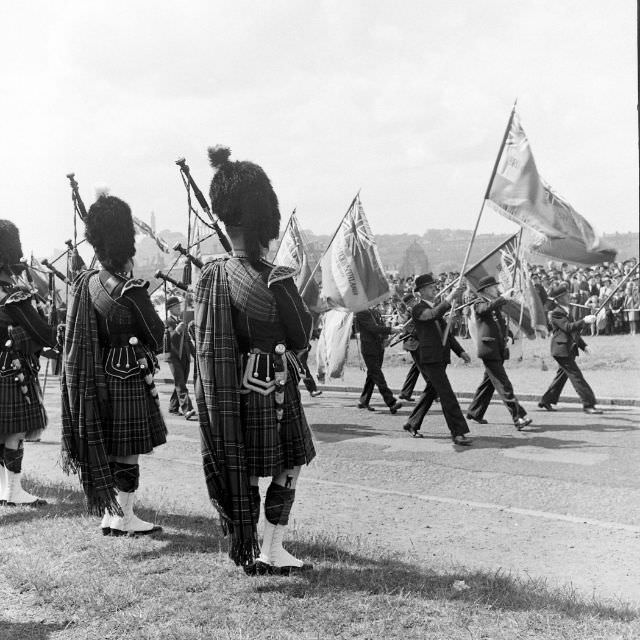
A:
(60, 579)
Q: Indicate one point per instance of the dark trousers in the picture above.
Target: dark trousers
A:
(438, 385)
(410, 380)
(180, 397)
(308, 380)
(495, 379)
(412, 377)
(569, 369)
(375, 377)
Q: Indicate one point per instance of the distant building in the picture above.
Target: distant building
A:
(415, 261)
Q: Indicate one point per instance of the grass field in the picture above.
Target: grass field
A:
(62, 580)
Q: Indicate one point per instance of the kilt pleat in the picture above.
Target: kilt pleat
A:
(136, 425)
(16, 414)
(270, 451)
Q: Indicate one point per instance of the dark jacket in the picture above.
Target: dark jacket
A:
(430, 331)
(373, 331)
(492, 330)
(566, 339)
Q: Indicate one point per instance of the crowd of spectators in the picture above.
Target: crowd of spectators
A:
(590, 288)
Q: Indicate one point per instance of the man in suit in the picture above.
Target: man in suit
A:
(433, 360)
(179, 360)
(373, 333)
(565, 342)
(492, 335)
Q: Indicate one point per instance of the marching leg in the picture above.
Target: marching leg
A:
(126, 477)
(274, 558)
(15, 495)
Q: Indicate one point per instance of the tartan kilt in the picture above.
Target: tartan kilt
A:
(269, 452)
(16, 414)
(136, 424)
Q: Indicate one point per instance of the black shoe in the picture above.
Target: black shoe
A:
(260, 568)
(406, 398)
(521, 423)
(478, 420)
(315, 393)
(413, 431)
(36, 503)
(546, 405)
(462, 441)
(395, 406)
(593, 411)
(287, 571)
(117, 533)
(365, 406)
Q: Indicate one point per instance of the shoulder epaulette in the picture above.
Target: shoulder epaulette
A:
(17, 296)
(137, 283)
(279, 273)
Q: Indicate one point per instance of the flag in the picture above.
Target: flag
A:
(145, 229)
(293, 252)
(333, 344)
(519, 193)
(352, 274)
(505, 266)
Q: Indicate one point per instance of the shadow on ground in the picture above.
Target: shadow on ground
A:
(327, 433)
(342, 565)
(28, 630)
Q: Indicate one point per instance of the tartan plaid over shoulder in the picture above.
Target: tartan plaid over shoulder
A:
(218, 401)
(85, 404)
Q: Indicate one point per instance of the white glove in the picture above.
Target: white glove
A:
(590, 319)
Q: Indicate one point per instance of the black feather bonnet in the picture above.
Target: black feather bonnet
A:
(242, 196)
(109, 229)
(10, 246)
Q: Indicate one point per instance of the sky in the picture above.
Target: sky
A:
(405, 100)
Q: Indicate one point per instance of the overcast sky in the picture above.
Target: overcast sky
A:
(407, 100)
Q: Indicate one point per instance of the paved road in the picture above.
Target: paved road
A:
(559, 501)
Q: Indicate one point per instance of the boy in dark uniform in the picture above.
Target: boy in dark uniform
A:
(434, 358)
(250, 325)
(110, 407)
(179, 360)
(373, 332)
(23, 333)
(565, 342)
(492, 335)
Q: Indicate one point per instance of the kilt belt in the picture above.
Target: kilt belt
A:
(126, 357)
(12, 363)
(267, 373)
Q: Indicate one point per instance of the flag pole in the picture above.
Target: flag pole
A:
(517, 262)
(313, 272)
(475, 229)
(602, 306)
(284, 233)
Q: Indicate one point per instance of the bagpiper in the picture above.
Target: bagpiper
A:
(23, 333)
(110, 407)
(251, 324)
